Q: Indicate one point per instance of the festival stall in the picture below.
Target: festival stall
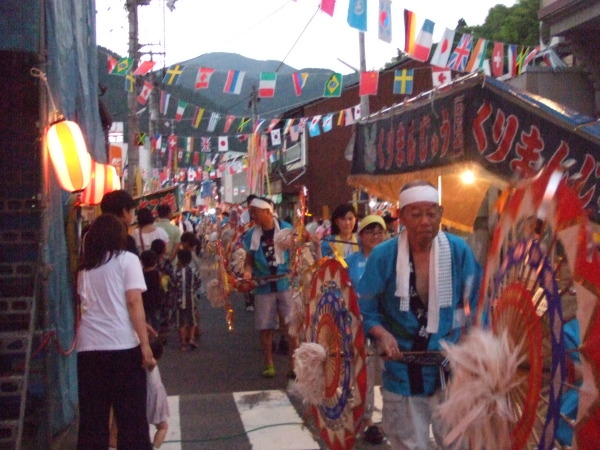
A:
(480, 124)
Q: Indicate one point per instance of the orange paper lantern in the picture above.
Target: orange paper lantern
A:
(68, 153)
(104, 179)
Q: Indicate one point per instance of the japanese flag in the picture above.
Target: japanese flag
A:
(443, 50)
(223, 143)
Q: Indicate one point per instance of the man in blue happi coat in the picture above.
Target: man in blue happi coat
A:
(417, 290)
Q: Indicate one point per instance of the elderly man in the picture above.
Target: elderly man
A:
(265, 259)
(417, 290)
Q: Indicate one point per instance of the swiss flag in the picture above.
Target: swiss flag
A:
(498, 59)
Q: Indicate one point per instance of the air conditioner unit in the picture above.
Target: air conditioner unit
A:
(294, 157)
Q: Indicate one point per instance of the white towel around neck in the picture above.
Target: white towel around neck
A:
(440, 278)
(255, 242)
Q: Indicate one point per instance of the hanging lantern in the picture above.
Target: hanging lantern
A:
(104, 179)
(68, 152)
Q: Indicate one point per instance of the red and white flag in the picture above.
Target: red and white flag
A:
(203, 77)
(272, 125)
(145, 93)
(530, 56)
(228, 121)
(424, 42)
(440, 76)
(223, 143)
(144, 68)
(111, 62)
(498, 59)
(443, 50)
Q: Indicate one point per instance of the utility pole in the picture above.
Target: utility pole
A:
(133, 155)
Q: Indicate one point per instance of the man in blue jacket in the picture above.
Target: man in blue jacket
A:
(417, 290)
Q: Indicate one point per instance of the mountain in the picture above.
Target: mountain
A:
(214, 99)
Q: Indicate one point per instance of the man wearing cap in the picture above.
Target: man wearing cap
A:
(266, 259)
(417, 290)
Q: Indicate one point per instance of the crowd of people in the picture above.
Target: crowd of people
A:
(416, 286)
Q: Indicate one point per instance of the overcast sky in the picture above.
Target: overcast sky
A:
(269, 29)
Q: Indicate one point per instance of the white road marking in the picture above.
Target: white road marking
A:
(261, 411)
(174, 433)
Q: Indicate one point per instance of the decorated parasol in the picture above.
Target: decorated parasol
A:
(330, 366)
(542, 271)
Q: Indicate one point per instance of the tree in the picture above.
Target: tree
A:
(517, 24)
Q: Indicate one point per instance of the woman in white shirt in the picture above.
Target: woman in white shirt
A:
(146, 232)
(113, 352)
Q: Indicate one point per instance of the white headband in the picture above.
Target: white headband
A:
(419, 194)
(262, 204)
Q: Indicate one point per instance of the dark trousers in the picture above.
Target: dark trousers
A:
(112, 378)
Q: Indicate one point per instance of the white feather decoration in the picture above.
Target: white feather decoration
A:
(296, 317)
(284, 239)
(478, 412)
(309, 365)
(238, 259)
(215, 293)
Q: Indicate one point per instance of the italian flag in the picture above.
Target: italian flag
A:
(266, 85)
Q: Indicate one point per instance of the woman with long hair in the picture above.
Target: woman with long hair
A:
(146, 231)
(342, 241)
(113, 351)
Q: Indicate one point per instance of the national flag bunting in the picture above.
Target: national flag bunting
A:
(123, 67)
(299, 80)
(384, 21)
(287, 126)
(348, 116)
(223, 143)
(276, 136)
(203, 77)
(228, 121)
(144, 68)
(440, 76)
(443, 49)
(198, 113)
(368, 83)
(129, 83)
(403, 81)
(172, 75)
(205, 144)
(333, 86)
(181, 105)
(243, 122)
(327, 122)
(272, 125)
(164, 102)
(477, 56)
(357, 112)
(327, 6)
(530, 56)
(460, 56)
(410, 25)
(357, 14)
(145, 93)
(212, 122)
(111, 62)
(512, 60)
(313, 126)
(257, 124)
(424, 42)
(498, 59)
(233, 84)
(266, 84)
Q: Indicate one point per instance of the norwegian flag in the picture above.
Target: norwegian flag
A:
(459, 58)
(205, 145)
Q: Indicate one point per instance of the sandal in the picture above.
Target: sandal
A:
(269, 372)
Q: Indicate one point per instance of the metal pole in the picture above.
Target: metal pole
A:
(133, 156)
(364, 99)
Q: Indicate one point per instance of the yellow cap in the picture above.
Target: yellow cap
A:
(368, 220)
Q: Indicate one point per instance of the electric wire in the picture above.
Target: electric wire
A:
(296, 42)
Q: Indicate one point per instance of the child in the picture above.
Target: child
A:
(187, 283)
(152, 297)
(167, 307)
(157, 406)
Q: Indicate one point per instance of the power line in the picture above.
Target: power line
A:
(301, 33)
(251, 27)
